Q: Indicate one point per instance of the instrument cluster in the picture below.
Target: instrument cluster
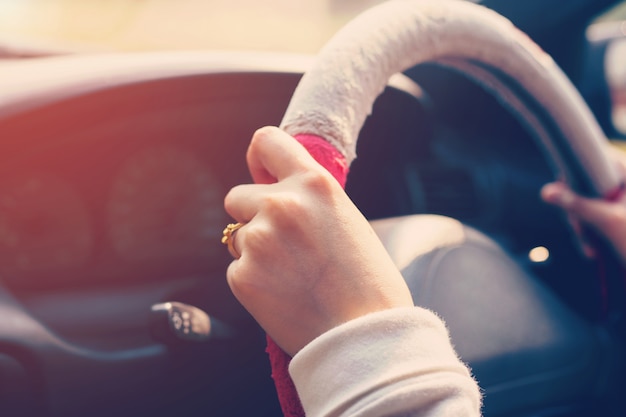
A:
(44, 225)
(164, 203)
(142, 212)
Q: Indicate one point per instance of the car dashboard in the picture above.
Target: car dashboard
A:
(111, 200)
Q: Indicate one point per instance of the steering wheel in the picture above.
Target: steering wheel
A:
(336, 95)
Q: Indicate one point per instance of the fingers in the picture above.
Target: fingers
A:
(592, 211)
(557, 194)
(243, 201)
(561, 196)
(274, 155)
(608, 218)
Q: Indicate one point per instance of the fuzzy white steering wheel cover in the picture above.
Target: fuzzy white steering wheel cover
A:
(336, 95)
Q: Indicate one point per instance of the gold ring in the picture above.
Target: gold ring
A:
(229, 237)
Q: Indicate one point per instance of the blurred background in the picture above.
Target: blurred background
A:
(105, 25)
(29, 26)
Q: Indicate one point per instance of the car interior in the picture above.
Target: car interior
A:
(113, 171)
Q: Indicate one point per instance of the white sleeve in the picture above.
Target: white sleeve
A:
(397, 362)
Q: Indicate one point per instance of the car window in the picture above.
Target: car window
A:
(612, 25)
(123, 25)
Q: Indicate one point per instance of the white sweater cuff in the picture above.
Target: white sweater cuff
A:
(393, 361)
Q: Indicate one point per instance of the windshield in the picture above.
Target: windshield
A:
(122, 25)
(33, 27)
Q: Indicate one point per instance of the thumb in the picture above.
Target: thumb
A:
(274, 155)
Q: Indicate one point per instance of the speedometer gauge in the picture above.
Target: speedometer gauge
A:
(44, 225)
(164, 204)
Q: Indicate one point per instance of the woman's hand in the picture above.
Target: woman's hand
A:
(309, 259)
(608, 218)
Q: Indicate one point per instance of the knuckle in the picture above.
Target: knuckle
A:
(286, 203)
(238, 281)
(320, 183)
(264, 131)
(255, 239)
(229, 202)
(285, 212)
(241, 278)
(261, 135)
